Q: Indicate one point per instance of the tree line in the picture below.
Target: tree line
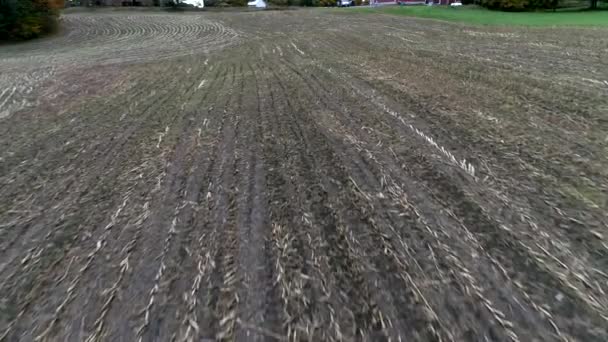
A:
(530, 5)
(26, 19)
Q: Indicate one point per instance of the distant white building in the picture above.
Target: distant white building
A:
(195, 3)
(257, 3)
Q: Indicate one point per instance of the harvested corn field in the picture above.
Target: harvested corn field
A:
(304, 175)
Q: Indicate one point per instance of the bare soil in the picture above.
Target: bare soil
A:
(303, 175)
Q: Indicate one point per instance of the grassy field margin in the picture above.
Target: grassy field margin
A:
(480, 16)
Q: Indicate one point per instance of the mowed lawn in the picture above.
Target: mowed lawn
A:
(480, 16)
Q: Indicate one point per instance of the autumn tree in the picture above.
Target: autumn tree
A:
(26, 19)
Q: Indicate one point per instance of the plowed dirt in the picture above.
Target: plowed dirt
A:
(303, 175)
